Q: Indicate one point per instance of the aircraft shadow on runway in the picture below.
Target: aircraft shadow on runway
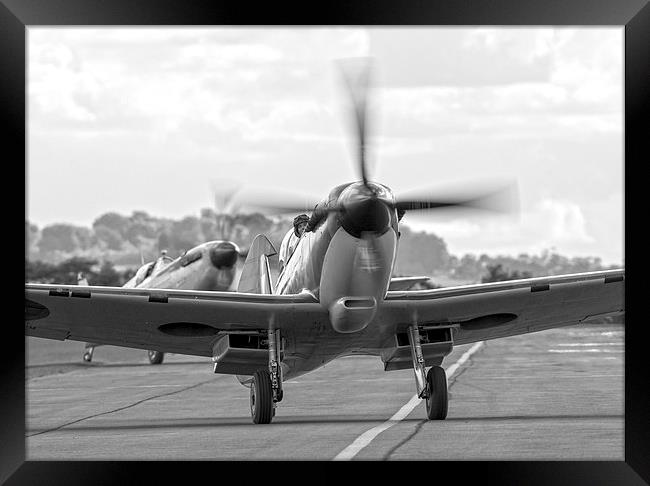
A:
(101, 364)
(302, 420)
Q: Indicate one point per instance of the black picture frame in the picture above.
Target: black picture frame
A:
(633, 15)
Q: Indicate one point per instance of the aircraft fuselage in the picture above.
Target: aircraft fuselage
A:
(209, 266)
(326, 259)
(346, 261)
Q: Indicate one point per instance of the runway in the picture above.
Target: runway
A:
(552, 395)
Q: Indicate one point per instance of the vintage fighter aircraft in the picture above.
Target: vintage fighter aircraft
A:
(331, 300)
(209, 266)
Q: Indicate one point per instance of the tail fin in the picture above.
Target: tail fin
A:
(256, 275)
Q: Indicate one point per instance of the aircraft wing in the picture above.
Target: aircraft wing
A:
(405, 283)
(174, 321)
(500, 309)
(190, 322)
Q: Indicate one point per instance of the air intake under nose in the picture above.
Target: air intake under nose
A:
(224, 255)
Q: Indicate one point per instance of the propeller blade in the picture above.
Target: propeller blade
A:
(270, 208)
(223, 196)
(267, 202)
(356, 74)
(503, 199)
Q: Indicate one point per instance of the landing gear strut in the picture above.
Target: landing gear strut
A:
(275, 370)
(266, 387)
(432, 386)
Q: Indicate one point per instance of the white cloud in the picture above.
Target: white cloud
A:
(541, 105)
(549, 223)
(454, 56)
(589, 62)
(563, 221)
(527, 45)
(224, 56)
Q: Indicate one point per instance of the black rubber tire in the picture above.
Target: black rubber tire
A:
(261, 400)
(156, 357)
(88, 352)
(437, 401)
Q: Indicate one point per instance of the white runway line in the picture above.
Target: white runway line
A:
(367, 437)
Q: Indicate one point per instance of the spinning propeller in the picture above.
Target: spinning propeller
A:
(483, 196)
(225, 205)
(477, 195)
(364, 207)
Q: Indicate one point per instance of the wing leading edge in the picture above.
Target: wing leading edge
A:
(175, 321)
(500, 309)
(190, 322)
(405, 283)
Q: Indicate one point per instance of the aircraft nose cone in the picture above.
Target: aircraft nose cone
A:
(224, 254)
(367, 215)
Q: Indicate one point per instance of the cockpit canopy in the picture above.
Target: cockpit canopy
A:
(143, 272)
(148, 269)
(161, 262)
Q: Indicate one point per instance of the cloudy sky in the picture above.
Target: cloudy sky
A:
(123, 119)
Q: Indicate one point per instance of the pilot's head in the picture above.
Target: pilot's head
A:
(300, 223)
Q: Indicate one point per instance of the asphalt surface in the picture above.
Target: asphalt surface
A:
(552, 395)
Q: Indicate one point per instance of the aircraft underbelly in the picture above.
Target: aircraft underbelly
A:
(310, 350)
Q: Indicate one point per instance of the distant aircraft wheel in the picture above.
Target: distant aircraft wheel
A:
(262, 398)
(88, 353)
(437, 401)
(156, 357)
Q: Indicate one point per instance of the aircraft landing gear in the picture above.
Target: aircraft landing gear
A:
(156, 357)
(262, 406)
(432, 386)
(88, 352)
(437, 399)
(266, 386)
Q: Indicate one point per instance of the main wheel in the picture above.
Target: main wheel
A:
(261, 398)
(437, 401)
(156, 357)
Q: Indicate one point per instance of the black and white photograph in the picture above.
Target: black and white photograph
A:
(331, 243)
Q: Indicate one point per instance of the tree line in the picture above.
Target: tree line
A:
(125, 240)
(116, 245)
(67, 272)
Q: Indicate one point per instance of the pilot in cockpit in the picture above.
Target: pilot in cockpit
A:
(291, 239)
(162, 261)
